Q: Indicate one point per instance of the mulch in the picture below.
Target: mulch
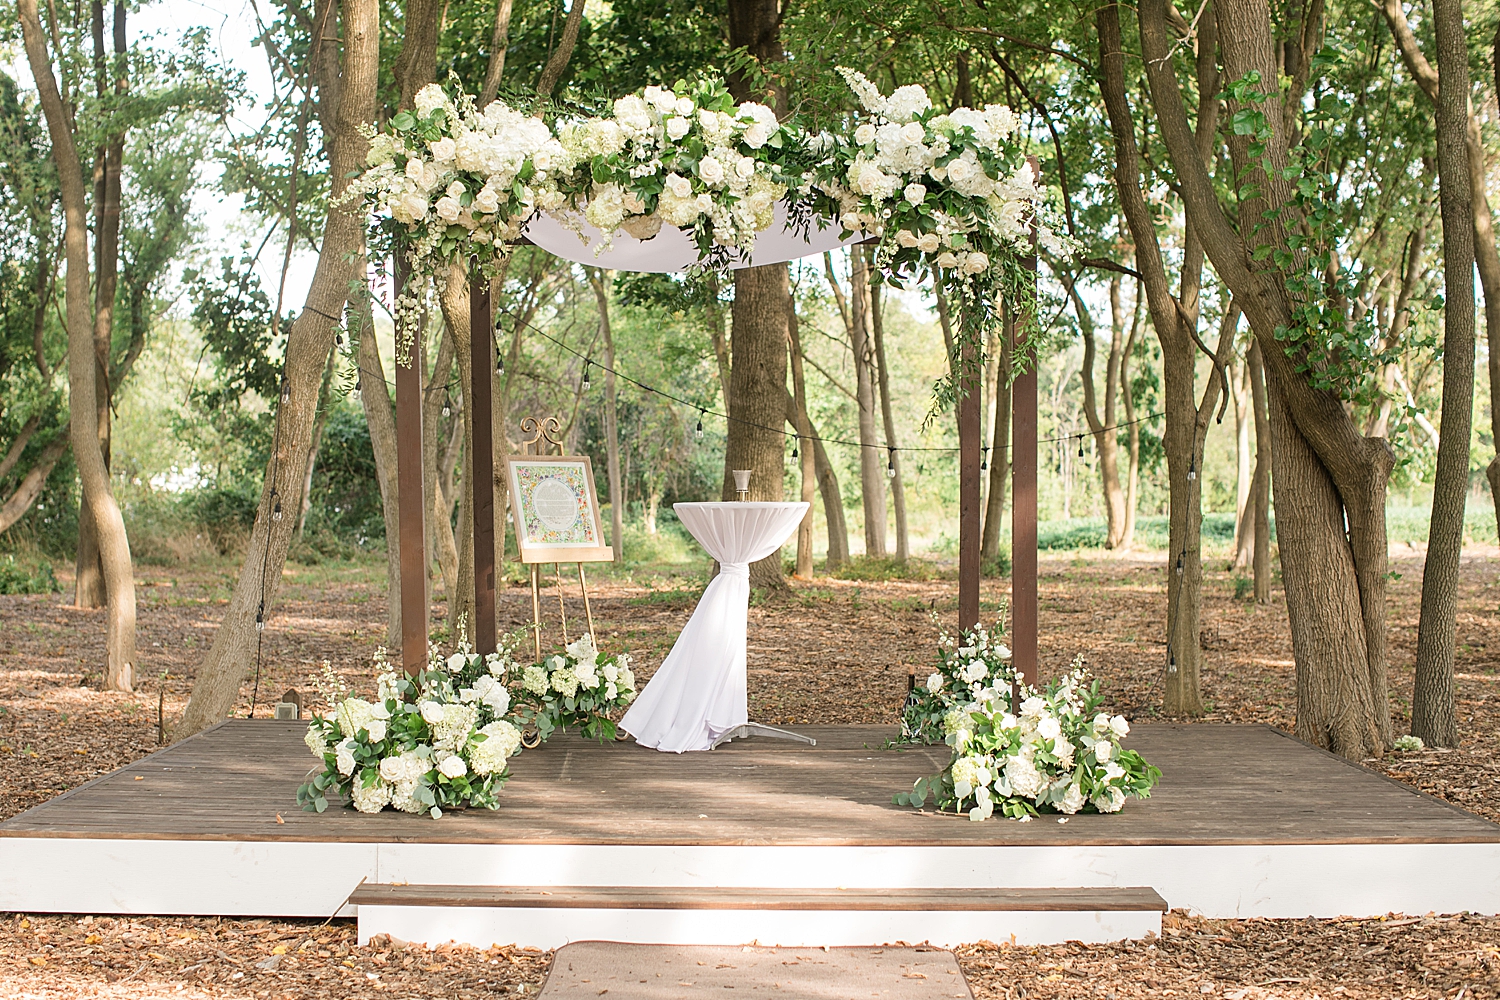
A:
(830, 651)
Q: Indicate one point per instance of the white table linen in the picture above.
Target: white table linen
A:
(700, 692)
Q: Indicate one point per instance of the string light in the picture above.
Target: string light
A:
(890, 464)
(795, 439)
(1192, 467)
(1179, 564)
(260, 624)
(698, 433)
(1080, 446)
(499, 362)
(286, 389)
(275, 506)
(447, 410)
(586, 366)
(984, 457)
(358, 388)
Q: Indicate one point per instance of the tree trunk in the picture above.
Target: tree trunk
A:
(1486, 251)
(347, 101)
(999, 471)
(30, 487)
(1434, 715)
(807, 463)
(871, 467)
(597, 280)
(324, 402)
(893, 455)
(1260, 484)
(758, 395)
(1133, 427)
(114, 546)
(1102, 424)
(380, 417)
(495, 68)
(440, 538)
(1327, 475)
(89, 588)
(828, 489)
(1244, 510)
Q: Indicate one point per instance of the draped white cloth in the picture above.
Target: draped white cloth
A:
(672, 250)
(699, 693)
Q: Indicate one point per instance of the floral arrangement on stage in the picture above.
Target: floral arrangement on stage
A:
(1059, 754)
(974, 667)
(576, 687)
(426, 743)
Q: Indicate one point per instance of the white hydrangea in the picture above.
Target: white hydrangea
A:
(372, 798)
(1071, 800)
(429, 99)
(315, 742)
(564, 681)
(534, 679)
(1024, 778)
(354, 714)
(501, 741)
(452, 730)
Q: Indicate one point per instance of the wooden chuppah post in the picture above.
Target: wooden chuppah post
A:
(482, 458)
(1023, 455)
(970, 375)
(411, 516)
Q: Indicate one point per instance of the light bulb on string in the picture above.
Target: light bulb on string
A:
(1179, 565)
(286, 389)
(1080, 446)
(984, 458)
(795, 440)
(447, 409)
(358, 388)
(586, 382)
(275, 506)
(1192, 467)
(890, 464)
(260, 619)
(499, 363)
(698, 432)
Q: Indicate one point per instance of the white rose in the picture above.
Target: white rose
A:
(375, 728)
(684, 106)
(344, 756)
(934, 683)
(432, 712)
(1103, 750)
(865, 134)
(907, 238)
(448, 209)
(929, 243)
(414, 169)
(611, 672)
(744, 167)
(457, 660)
(486, 201)
(912, 133)
(711, 171)
(677, 127)
(914, 193)
(1119, 726)
(850, 221)
(946, 260)
(1049, 728)
(976, 263)
(1109, 800)
(959, 169)
(453, 766)
(443, 150)
(679, 185)
(757, 135)
(393, 769)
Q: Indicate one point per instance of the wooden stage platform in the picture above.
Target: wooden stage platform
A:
(1247, 821)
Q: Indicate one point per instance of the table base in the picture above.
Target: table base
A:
(756, 729)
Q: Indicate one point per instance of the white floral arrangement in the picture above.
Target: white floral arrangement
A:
(438, 740)
(974, 667)
(576, 687)
(1059, 754)
(949, 193)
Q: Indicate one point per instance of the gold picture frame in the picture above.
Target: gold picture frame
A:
(563, 523)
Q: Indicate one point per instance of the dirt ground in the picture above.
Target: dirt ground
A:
(829, 651)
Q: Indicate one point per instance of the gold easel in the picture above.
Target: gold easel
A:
(543, 439)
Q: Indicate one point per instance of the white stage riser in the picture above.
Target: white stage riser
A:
(554, 927)
(313, 879)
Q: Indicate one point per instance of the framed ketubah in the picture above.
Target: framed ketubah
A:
(556, 509)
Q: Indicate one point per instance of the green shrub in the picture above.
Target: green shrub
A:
(16, 578)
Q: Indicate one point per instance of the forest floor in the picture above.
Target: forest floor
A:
(828, 651)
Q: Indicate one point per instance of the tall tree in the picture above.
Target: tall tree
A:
(758, 355)
(98, 497)
(1327, 474)
(599, 283)
(888, 419)
(1102, 421)
(345, 57)
(1434, 715)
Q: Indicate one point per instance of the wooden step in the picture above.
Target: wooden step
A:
(553, 916)
(715, 898)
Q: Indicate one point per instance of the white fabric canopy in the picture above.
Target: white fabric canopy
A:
(671, 249)
(699, 693)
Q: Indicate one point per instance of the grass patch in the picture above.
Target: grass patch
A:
(674, 599)
(27, 575)
(868, 569)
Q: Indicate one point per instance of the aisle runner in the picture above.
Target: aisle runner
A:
(592, 969)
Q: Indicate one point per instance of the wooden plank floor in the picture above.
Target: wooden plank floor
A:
(1221, 785)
